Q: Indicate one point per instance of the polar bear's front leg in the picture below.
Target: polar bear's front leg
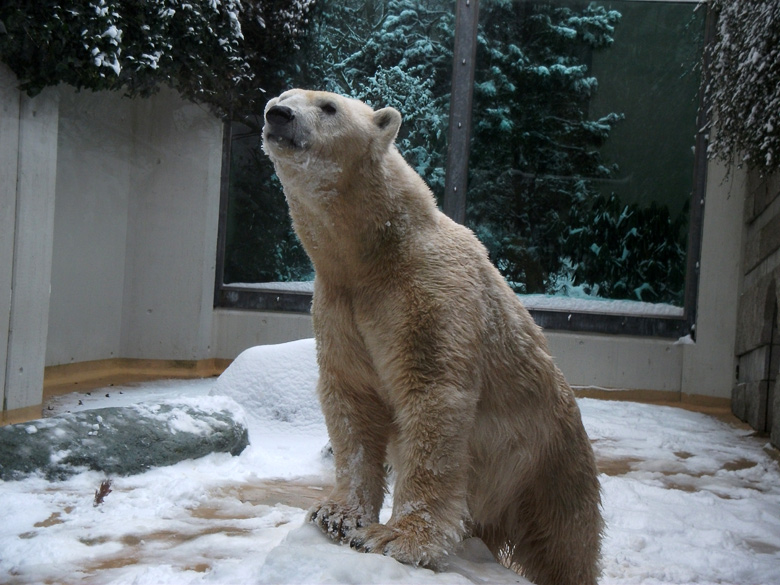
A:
(358, 425)
(430, 511)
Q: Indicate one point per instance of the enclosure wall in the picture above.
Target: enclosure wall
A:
(28, 160)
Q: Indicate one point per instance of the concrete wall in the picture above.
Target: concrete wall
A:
(135, 228)
(613, 362)
(9, 151)
(172, 230)
(234, 331)
(135, 236)
(709, 365)
(28, 159)
(111, 205)
(94, 154)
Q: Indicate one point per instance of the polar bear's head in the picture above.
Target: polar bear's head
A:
(307, 127)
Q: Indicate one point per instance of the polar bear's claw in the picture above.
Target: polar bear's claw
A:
(405, 547)
(335, 520)
(359, 544)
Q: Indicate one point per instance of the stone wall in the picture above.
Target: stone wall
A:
(756, 397)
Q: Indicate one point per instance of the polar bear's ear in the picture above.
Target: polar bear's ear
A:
(388, 121)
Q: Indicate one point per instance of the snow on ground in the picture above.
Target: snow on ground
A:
(687, 499)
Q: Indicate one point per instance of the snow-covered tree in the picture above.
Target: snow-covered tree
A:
(124, 45)
(198, 47)
(616, 250)
(391, 53)
(272, 31)
(395, 53)
(743, 85)
(535, 150)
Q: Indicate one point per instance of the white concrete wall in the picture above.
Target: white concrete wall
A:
(614, 362)
(234, 331)
(90, 226)
(709, 365)
(172, 230)
(135, 236)
(135, 229)
(9, 151)
(27, 189)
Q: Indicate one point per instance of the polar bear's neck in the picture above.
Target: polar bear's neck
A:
(351, 222)
(304, 173)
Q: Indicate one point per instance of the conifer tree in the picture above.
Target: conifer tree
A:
(535, 150)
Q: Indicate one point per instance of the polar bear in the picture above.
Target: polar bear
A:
(428, 359)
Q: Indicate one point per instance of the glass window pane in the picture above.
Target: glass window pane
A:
(387, 53)
(582, 155)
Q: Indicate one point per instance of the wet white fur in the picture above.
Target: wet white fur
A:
(428, 358)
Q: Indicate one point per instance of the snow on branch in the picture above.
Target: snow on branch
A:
(743, 84)
(198, 47)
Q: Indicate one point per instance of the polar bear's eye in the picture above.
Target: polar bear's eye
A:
(328, 108)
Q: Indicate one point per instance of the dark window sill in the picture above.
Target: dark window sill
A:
(274, 297)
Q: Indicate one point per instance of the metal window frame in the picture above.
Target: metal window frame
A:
(261, 298)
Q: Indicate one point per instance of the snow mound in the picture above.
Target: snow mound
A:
(276, 385)
(317, 559)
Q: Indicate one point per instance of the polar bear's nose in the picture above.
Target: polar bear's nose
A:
(279, 115)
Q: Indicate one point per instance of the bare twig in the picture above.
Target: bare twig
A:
(102, 492)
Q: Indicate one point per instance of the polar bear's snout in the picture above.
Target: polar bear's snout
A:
(279, 115)
(280, 127)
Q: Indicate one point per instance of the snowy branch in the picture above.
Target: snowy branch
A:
(210, 51)
(743, 84)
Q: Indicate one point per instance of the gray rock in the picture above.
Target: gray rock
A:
(121, 440)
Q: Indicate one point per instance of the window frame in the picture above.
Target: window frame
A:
(264, 298)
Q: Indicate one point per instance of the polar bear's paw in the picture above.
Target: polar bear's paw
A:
(411, 543)
(338, 521)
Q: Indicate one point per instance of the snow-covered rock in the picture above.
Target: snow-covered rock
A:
(122, 440)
